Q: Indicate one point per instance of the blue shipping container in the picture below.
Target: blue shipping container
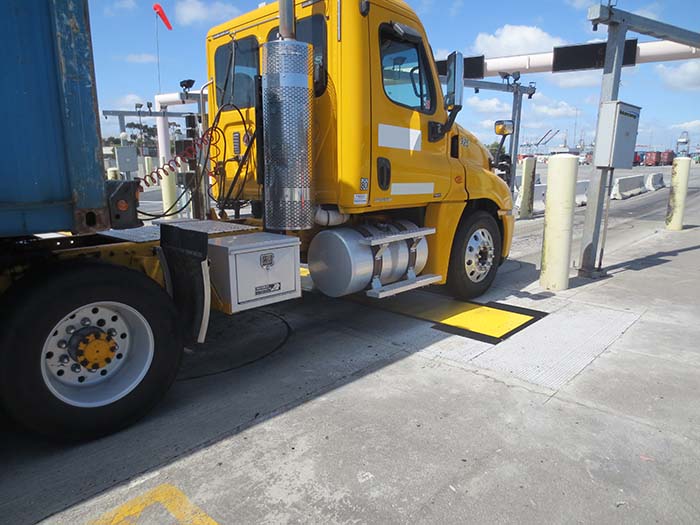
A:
(51, 170)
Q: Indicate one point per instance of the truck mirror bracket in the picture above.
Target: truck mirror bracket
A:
(437, 130)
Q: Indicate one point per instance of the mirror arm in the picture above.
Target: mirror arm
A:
(437, 130)
(500, 148)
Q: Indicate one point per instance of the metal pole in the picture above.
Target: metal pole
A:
(515, 137)
(596, 190)
(559, 222)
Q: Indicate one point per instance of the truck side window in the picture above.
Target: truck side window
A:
(312, 30)
(237, 88)
(405, 73)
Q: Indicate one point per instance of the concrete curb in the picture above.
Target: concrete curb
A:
(626, 187)
(540, 191)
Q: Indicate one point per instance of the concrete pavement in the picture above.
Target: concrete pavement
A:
(362, 415)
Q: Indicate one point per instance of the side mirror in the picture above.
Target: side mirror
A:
(453, 97)
(455, 80)
(503, 127)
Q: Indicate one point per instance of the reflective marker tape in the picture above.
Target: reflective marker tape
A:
(413, 188)
(400, 138)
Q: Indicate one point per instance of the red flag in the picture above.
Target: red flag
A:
(161, 13)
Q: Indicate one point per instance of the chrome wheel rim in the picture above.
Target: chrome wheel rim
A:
(97, 354)
(479, 255)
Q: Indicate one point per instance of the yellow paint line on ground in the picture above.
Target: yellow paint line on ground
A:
(170, 497)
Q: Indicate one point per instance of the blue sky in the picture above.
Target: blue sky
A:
(123, 33)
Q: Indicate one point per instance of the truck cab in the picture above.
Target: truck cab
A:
(380, 144)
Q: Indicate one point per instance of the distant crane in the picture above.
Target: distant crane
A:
(551, 137)
(544, 142)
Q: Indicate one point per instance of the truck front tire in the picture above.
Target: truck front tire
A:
(476, 255)
(87, 349)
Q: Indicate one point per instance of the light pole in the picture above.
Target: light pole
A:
(138, 107)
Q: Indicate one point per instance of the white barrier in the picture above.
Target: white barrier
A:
(582, 193)
(626, 187)
(519, 180)
(654, 181)
(540, 192)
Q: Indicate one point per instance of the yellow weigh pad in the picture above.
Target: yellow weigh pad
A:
(491, 322)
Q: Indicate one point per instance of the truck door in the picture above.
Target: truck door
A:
(407, 169)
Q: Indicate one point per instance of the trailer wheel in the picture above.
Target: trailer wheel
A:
(87, 349)
(476, 255)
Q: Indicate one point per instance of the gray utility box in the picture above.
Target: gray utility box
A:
(616, 138)
(254, 269)
(127, 158)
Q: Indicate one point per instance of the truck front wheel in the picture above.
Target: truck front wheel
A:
(476, 255)
(86, 349)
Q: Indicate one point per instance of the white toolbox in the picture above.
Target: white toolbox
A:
(254, 269)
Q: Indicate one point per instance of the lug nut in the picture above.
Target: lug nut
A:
(85, 321)
(64, 359)
(75, 367)
(62, 344)
(70, 329)
(112, 332)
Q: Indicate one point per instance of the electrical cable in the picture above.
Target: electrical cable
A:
(209, 139)
(278, 346)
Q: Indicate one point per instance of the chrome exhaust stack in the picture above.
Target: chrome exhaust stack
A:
(287, 101)
(288, 22)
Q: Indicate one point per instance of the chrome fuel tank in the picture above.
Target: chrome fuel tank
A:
(340, 263)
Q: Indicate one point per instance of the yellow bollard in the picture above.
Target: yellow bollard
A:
(560, 202)
(679, 190)
(168, 187)
(113, 174)
(147, 165)
(527, 188)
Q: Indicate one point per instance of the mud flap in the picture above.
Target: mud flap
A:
(187, 278)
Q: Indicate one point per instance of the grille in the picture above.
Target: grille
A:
(287, 98)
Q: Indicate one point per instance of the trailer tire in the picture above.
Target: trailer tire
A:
(476, 255)
(124, 323)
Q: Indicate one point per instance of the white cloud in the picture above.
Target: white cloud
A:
(581, 4)
(685, 77)
(424, 6)
(576, 79)
(514, 40)
(189, 12)
(533, 124)
(487, 124)
(488, 105)
(455, 8)
(544, 106)
(113, 7)
(127, 101)
(652, 11)
(442, 54)
(140, 58)
(693, 125)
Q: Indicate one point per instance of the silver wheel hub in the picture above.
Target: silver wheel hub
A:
(479, 255)
(97, 354)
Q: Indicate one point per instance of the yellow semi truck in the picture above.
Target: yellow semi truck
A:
(330, 120)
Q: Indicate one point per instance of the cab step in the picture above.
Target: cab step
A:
(403, 286)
